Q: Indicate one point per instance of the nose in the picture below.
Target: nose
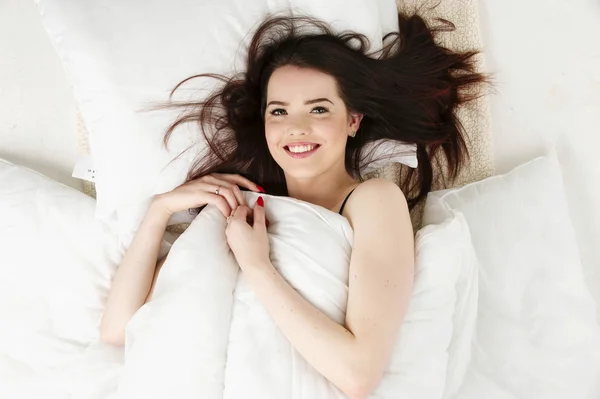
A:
(298, 126)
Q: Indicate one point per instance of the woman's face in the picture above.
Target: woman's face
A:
(306, 122)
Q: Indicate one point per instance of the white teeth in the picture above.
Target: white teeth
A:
(301, 148)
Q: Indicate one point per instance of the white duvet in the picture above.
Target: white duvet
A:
(205, 318)
(205, 334)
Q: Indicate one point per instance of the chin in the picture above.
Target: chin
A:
(301, 173)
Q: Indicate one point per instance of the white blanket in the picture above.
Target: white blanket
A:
(210, 324)
(205, 334)
(196, 337)
(222, 340)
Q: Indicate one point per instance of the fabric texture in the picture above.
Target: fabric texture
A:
(56, 266)
(48, 232)
(536, 332)
(50, 311)
(206, 333)
(542, 100)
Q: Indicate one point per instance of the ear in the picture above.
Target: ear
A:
(354, 119)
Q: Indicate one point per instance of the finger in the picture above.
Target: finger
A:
(241, 200)
(201, 196)
(259, 214)
(240, 181)
(220, 202)
(241, 213)
(225, 190)
(227, 193)
(249, 215)
(212, 180)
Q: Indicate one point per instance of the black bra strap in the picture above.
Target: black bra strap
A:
(346, 199)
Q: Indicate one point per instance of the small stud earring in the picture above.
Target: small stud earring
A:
(353, 133)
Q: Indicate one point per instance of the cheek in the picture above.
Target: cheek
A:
(333, 128)
(272, 136)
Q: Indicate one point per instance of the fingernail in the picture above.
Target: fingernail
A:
(259, 188)
(260, 201)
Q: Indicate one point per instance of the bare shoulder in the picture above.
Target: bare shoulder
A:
(376, 199)
(378, 186)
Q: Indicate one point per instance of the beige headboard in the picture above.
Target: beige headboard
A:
(475, 117)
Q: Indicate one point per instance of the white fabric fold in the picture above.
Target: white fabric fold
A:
(205, 334)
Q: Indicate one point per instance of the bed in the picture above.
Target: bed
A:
(513, 315)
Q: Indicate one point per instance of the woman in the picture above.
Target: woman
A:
(295, 122)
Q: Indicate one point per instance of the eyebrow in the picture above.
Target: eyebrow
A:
(316, 100)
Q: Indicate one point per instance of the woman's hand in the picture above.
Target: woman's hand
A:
(221, 190)
(249, 242)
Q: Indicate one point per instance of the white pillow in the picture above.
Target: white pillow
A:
(56, 264)
(122, 55)
(536, 333)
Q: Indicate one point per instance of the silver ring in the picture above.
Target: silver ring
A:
(217, 190)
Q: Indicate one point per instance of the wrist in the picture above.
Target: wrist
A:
(157, 211)
(260, 269)
(264, 279)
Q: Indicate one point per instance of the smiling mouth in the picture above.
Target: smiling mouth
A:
(301, 151)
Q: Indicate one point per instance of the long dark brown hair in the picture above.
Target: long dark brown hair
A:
(407, 91)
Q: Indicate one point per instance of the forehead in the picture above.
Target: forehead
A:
(290, 81)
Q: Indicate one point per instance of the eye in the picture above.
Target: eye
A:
(278, 112)
(319, 110)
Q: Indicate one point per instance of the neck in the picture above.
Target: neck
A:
(326, 190)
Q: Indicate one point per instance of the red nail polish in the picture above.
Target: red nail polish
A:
(260, 201)
(259, 188)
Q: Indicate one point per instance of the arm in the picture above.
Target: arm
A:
(355, 356)
(134, 280)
